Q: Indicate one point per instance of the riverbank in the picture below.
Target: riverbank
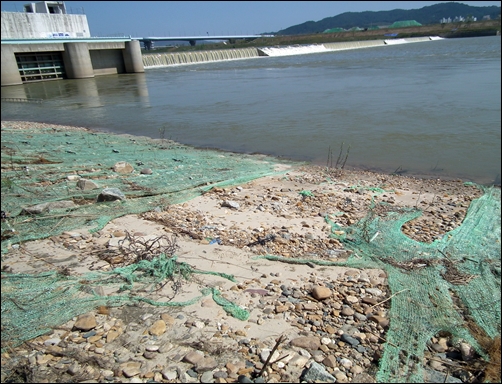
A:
(476, 29)
(319, 321)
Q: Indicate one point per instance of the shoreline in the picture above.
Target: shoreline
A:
(327, 321)
(361, 168)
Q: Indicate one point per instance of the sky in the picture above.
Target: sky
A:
(195, 18)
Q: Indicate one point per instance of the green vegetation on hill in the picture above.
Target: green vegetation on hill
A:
(425, 16)
(464, 29)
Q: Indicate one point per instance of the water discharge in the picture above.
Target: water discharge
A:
(183, 58)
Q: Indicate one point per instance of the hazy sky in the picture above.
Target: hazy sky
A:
(186, 18)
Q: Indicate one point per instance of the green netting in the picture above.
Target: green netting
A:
(405, 23)
(441, 286)
(34, 303)
(38, 165)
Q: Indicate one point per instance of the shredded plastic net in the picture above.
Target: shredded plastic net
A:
(451, 285)
(34, 303)
(43, 165)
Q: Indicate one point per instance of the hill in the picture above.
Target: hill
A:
(427, 15)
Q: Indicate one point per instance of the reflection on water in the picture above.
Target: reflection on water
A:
(429, 108)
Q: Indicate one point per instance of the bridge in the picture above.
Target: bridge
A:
(148, 41)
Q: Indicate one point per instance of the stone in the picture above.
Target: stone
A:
(207, 377)
(86, 322)
(349, 339)
(86, 185)
(381, 321)
(146, 171)
(123, 167)
(158, 328)
(47, 207)
(316, 372)
(170, 374)
(110, 194)
(306, 342)
(330, 361)
(365, 378)
(347, 311)
(168, 319)
(193, 357)
(131, 369)
(466, 351)
(230, 204)
(321, 293)
(265, 353)
(206, 364)
(340, 376)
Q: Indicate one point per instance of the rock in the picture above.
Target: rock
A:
(47, 207)
(381, 321)
(123, 167)
(131, 369)
(207, 377)
(374, 291)
(466, 351)
(193, 357)
(316, 372)
(206, 364)
(340, 376)
(346, 363)
(168, 319)
(86, 185)
(350, 340)
(169, 374)
(364, 378)
(265, 353)
(146, 171)
(431, 376)
(230, 204)
(110, 194)
(330, 361)
(347, 311)
(307, 342)
(157, 328)
(438, 348)
(86, 322)
(321, 293)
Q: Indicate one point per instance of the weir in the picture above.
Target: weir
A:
(353, 45)
(165, 59)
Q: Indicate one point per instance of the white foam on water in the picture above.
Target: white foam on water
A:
(293, 50)
(396, 41)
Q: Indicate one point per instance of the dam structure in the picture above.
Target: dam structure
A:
(45, 43)
(155, 60)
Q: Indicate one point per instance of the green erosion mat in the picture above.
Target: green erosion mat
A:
(32, 304)
(43, 165)
(450, 285)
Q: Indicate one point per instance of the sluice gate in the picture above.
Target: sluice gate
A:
(165, 59)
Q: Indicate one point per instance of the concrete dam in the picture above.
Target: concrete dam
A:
(152, 60)
(165, 59)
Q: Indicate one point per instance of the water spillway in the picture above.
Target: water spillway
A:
(353, 45)
(177, 58)
(153, 60)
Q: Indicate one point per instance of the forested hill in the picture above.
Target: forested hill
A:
(427, 15)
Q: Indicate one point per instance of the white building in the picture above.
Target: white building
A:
(45, 19)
